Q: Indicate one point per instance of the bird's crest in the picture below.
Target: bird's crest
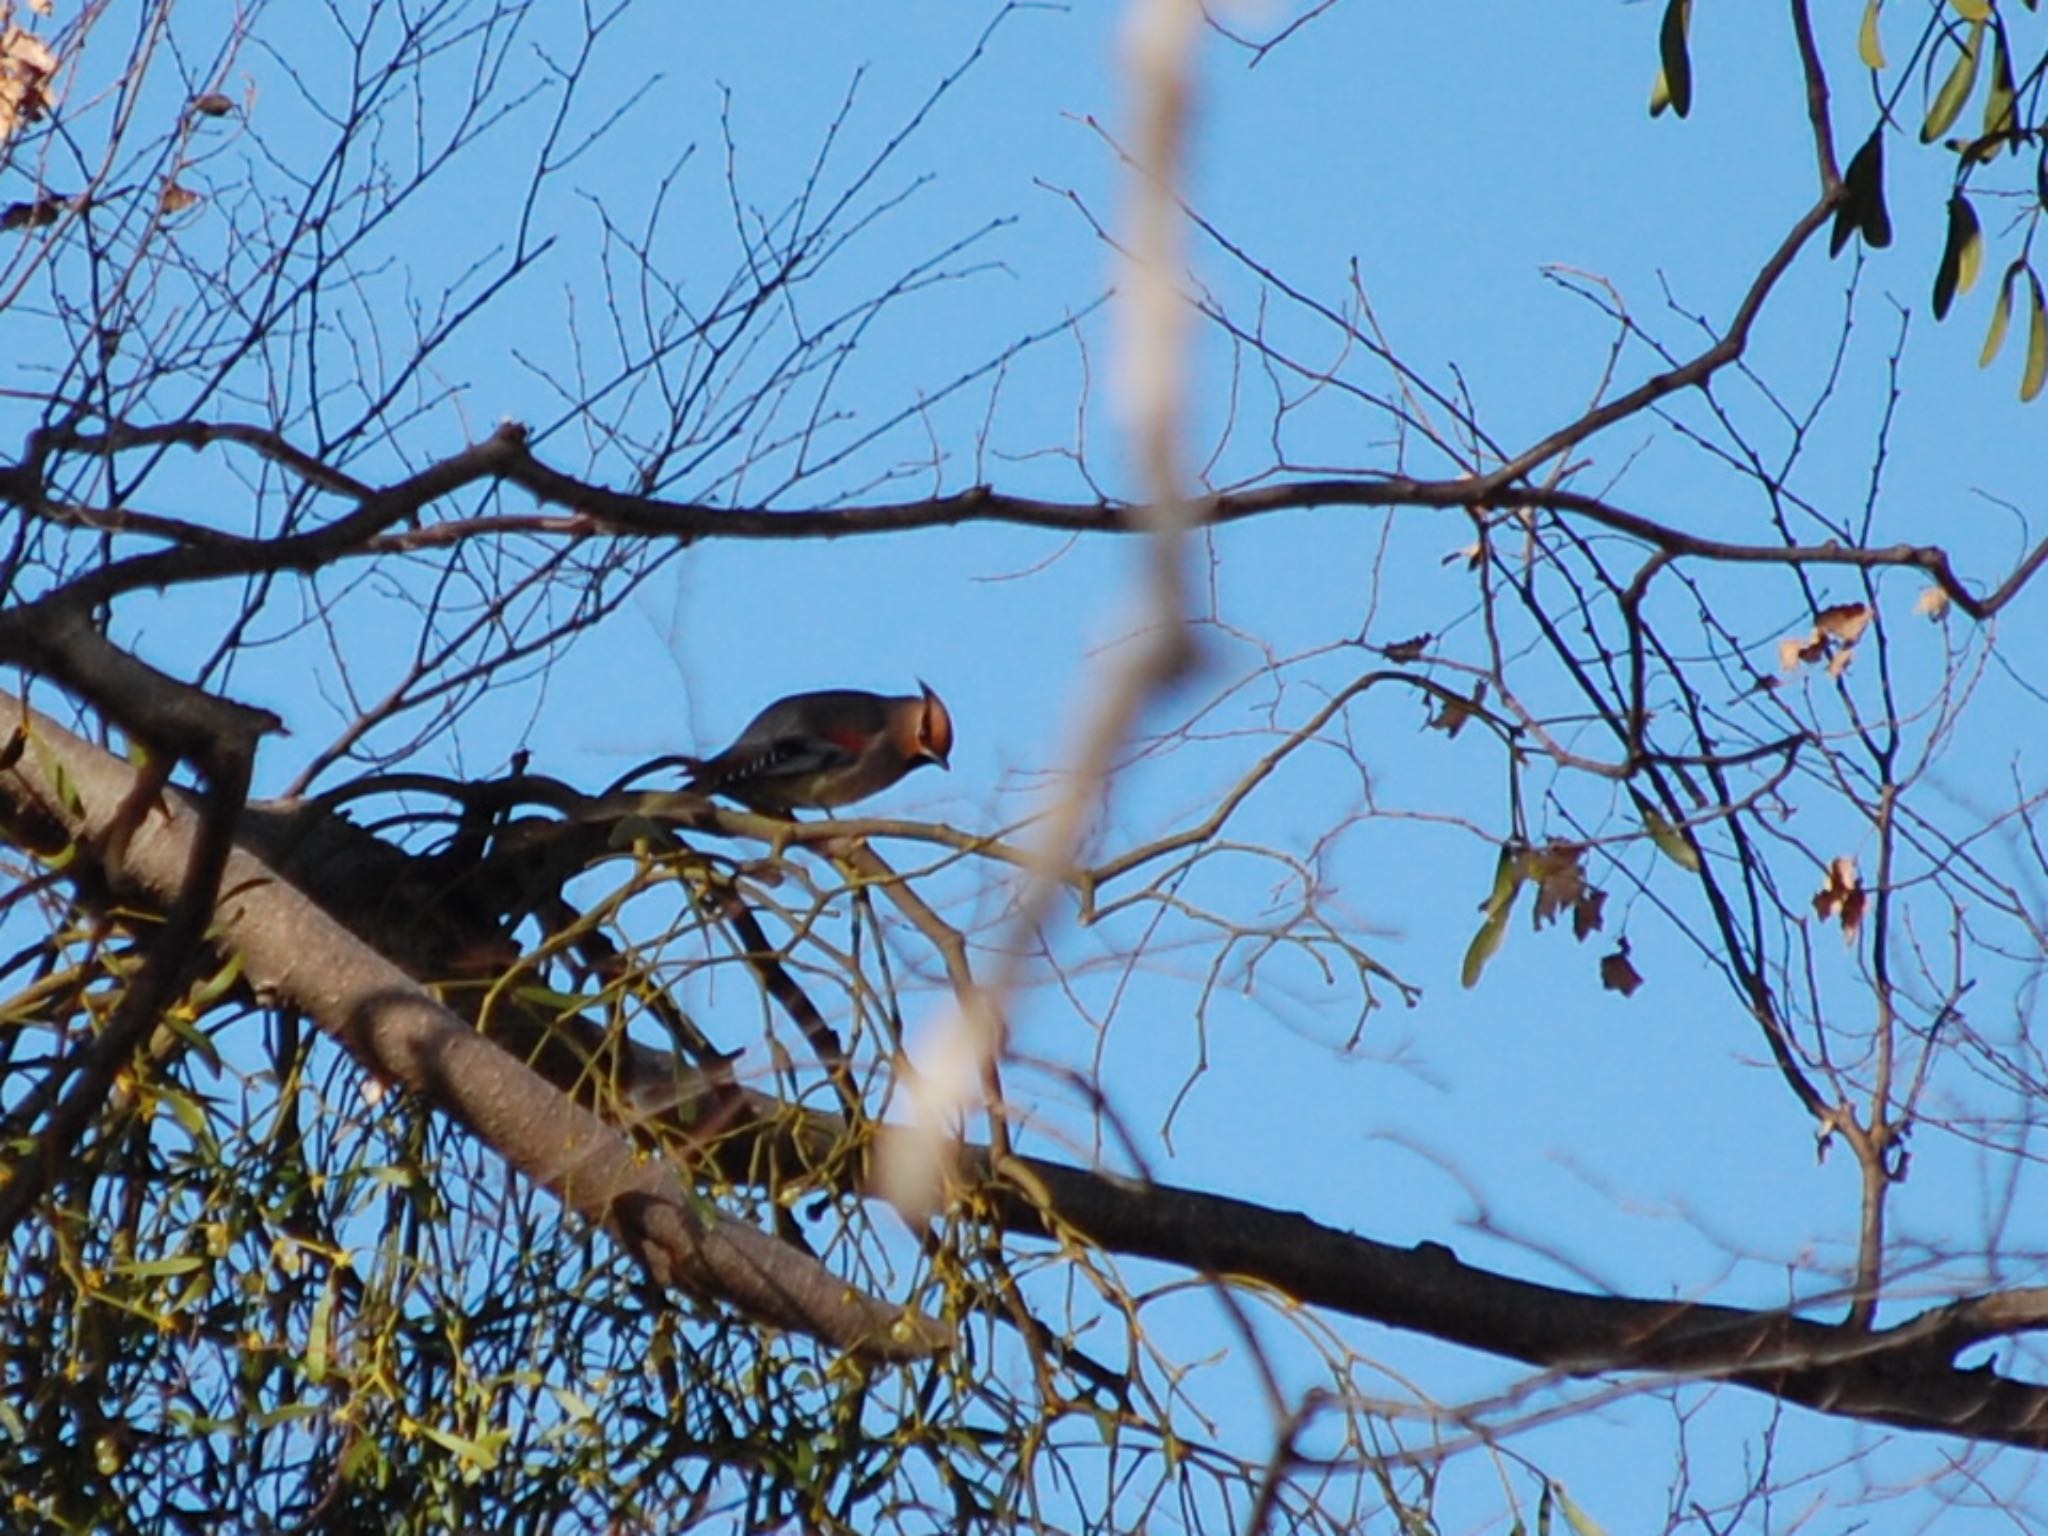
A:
(934, 727)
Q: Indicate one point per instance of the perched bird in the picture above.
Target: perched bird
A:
(827, 749)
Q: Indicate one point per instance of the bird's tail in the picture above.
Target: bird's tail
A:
(691, 767)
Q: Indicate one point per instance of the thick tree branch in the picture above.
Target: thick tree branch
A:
(295, 952)
(1904, 1375)
(506, 458)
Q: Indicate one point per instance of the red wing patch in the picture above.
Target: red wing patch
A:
(847, 739)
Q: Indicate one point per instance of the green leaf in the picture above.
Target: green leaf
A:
(1868, 43)
(1961, 258)
(160, 1269)
(1484, 946)
(215, 987)
(1508, 874)
(1955, 90)
(1862, 207)
(60, 778)
(317, 1331)
(2037, 345)
(1999, 115)
(574, 1404)
(290, 1413)
(481, 1454)
(1580, 1521)
(185, 1110)
(363, 1461)
(1674, 80)
(1669, 840)
(1972, 10)
(2001, 316)
(1509, 871)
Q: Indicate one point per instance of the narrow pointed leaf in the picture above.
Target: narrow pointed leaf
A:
(1674, 84)
(1669, 840)
(1955, 90)
(1509, 872)
(1877, 218)
(1972, 10)
(1660, 96)
(2037, 345)
(1998, 101)
(1848, 216)
(1961, 258)
(1581, 1522)
(1484, 946)
(1862, 209)
(1868, 43)
(2001, 316)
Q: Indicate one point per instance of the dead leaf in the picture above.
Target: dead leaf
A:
(26, 68)
(1618, 972)
(1559, 871)
(44, 210)
(1844, 622)
(1934, 603)
(1452, 713)
(175, 199)
(1792, 654)
(1411, 649)
(1589, 912)
(212, 104)
(1834, 635)
(1843, 897)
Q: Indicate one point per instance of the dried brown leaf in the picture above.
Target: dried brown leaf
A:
(1793, 654)
(1618, 972)
(1933, 603)
(1559, 870)
(1452, 713)
(26, 68)
(1844, 622)
(44, 210)
(175, 199)
(212, 104)
(1842, 897)
(1588, 912)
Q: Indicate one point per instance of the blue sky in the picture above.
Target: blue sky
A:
(1454, 153)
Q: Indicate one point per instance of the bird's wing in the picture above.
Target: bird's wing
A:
(788, 756)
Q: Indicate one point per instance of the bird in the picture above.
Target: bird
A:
(827, 749)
